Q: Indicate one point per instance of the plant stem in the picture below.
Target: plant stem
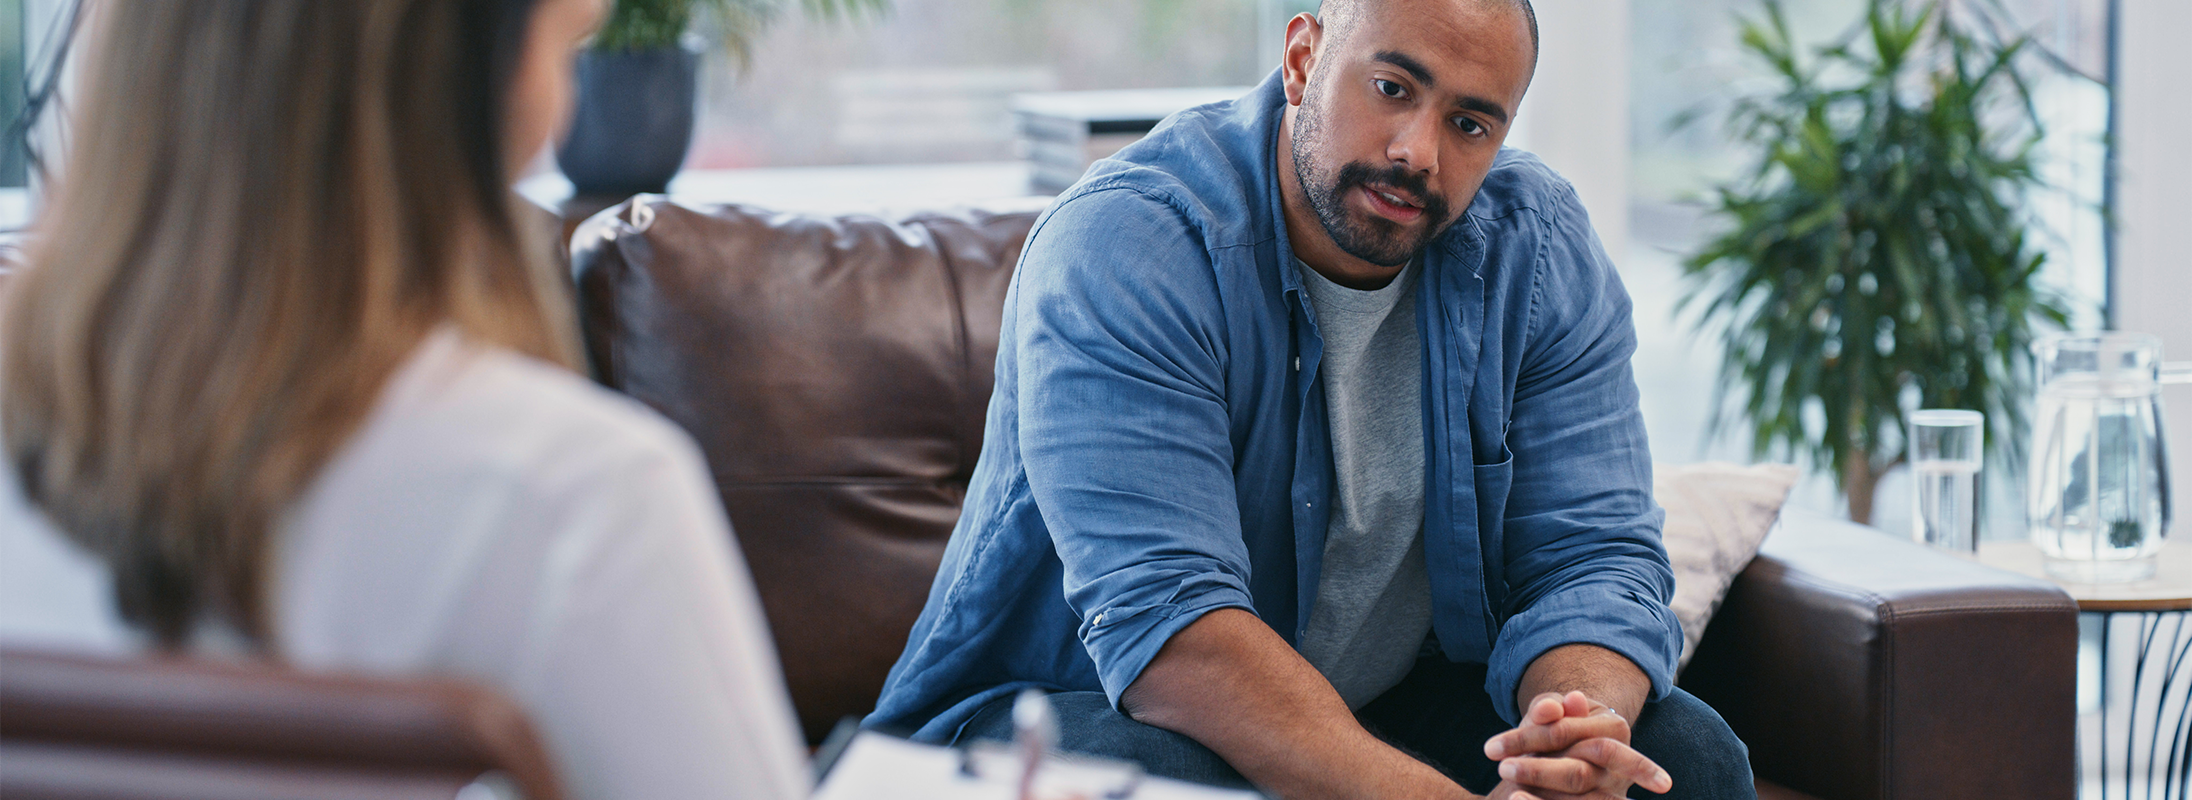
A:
(1858, 482)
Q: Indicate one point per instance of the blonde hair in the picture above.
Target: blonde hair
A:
(266, 205)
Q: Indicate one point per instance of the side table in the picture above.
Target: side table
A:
(2143, 741)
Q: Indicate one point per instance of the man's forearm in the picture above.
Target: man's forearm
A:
(1229, 682)
(1604, 675)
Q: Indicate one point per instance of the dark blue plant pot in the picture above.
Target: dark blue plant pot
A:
(634, 121)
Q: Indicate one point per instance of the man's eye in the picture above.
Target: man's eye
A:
(1389, 88)
(1469, 126)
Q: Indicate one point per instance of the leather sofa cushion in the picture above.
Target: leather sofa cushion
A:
(835, 371)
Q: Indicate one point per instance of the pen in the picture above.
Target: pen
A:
(1035, 732)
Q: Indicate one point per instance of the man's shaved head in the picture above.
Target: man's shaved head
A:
(1340, 15)
(1398, 109)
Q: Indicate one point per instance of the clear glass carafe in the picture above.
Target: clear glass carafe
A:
(2097, 494)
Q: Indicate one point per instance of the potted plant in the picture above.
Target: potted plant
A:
(1877, 248)
(636, 86)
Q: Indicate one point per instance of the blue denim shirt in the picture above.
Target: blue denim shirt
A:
(1156, 448)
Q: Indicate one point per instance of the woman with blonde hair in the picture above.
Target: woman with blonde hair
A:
(286, 365)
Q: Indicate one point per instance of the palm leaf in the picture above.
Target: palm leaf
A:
(1877, 243)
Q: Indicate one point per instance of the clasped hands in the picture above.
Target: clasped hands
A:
(1570, 747)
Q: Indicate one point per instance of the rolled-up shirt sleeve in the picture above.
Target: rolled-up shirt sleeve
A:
(1584, 563)
(1119, 346)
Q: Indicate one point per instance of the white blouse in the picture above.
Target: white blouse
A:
(501, 519)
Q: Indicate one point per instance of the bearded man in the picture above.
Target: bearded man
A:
(1315, 457)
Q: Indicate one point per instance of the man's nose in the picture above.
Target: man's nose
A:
(1416, 144)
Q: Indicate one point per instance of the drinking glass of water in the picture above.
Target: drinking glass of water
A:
(2098, 493)
(1945, 448)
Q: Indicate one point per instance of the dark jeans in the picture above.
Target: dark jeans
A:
(1439, 714)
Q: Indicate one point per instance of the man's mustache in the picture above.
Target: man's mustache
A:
(1398, 177)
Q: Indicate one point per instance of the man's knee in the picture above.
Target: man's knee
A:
(1690, 740)
(1088, 724)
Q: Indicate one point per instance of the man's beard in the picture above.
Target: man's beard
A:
(1368, 237)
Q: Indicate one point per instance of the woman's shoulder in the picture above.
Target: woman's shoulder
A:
(480, 477)
(473, 445)
(464, 402)
(53, 594)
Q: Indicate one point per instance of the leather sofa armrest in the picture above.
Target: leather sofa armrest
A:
(1857, 665)
(87, 726)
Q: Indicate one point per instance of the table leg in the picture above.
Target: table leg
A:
(2174, 764)
(2131, 756)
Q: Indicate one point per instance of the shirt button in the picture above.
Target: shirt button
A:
(1297, 363)
(1099, 620)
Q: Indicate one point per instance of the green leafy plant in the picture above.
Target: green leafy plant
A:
(1877, 246)
(655, 24)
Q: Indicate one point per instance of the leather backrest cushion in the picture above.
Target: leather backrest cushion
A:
(835, 370)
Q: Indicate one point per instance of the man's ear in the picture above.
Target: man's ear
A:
(1303, 33)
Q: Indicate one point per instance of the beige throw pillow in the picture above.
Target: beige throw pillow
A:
(1717, 514)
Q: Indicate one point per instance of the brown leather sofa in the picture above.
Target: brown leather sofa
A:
(836, 371)
(75, 728)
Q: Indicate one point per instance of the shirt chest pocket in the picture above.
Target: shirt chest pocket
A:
(1493, 482)
(1488, 446)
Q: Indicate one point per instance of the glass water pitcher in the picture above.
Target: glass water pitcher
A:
(2097, 495)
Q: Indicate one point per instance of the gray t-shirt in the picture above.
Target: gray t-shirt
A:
(1373, 604)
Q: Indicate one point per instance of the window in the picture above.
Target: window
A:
(1686, 61)
(930, 80)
